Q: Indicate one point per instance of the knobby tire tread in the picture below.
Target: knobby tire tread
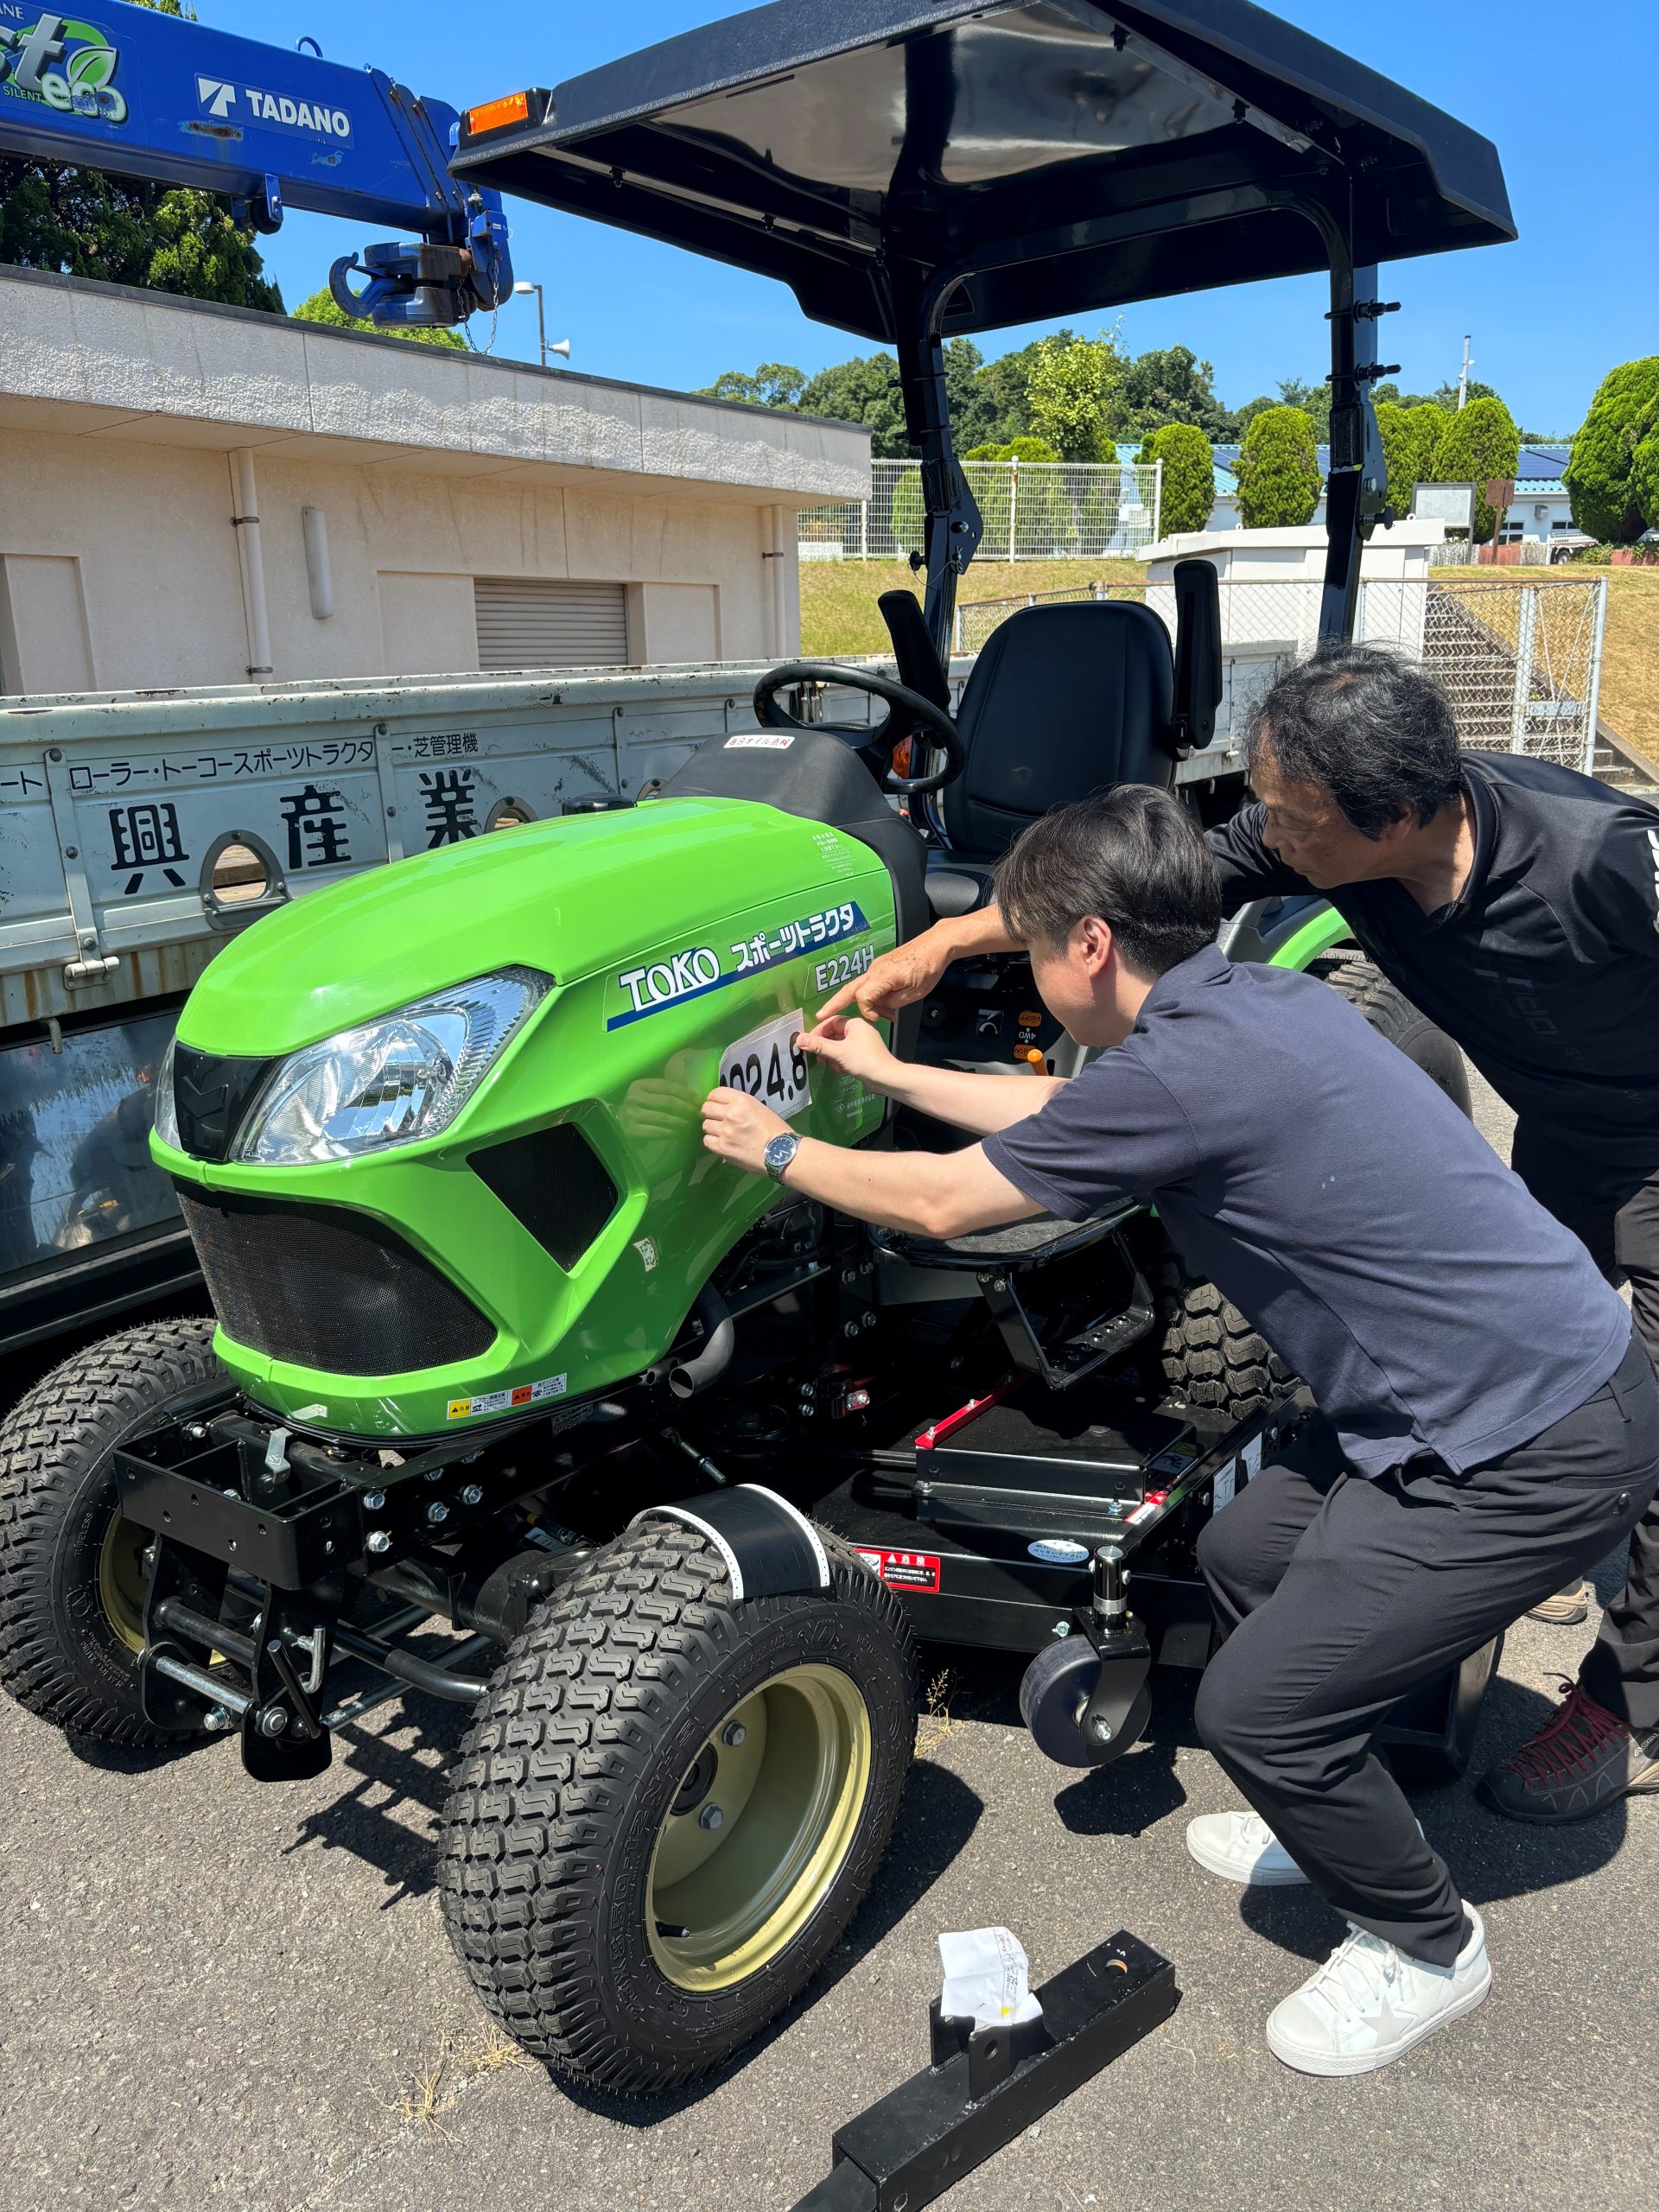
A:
(72, 1416)
(560, 1742)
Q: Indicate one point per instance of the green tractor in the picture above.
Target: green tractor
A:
(518, 1397)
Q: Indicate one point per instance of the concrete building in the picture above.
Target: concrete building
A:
(1541, 509)
(197, 494)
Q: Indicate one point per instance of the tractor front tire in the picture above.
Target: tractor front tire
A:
(668, 1806)
(72, 1572)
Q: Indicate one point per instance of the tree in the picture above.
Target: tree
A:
(1400, 446)
(1003, 391)
(319, 307)
(1278, 471)
(1644, 477)
(1314, 401)
(1247, 413)
(866, 389)
(1427, 424)
(1014, 449)
(774, 384)
(1073, 388)
(82, 222)
(1602, 481)
(1479, 442)
(1171, 386)
(1189, 480)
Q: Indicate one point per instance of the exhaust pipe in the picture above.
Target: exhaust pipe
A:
(687, 1377)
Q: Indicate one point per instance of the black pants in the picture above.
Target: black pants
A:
(1614, 1212)
(1337, 1594)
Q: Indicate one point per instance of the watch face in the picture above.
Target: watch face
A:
(781, 1149)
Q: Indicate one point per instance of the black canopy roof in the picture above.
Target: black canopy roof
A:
(1050, 157)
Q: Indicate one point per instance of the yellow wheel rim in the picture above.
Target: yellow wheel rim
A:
(759, 1829)
(121, 1578)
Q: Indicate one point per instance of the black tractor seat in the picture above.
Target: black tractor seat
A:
(1016, 1244)
(1063, 699)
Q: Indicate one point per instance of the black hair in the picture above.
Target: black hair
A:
(1373, 729)
(1132, 856)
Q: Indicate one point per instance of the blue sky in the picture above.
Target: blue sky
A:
(1565, 92)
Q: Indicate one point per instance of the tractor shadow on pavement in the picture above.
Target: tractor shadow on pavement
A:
(390, 1787)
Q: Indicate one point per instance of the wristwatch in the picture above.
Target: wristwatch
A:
(779, 1151)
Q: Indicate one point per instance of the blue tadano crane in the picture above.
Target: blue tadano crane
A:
(147, 95)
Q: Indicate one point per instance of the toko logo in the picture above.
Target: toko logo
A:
(681, 976)
(68, 64)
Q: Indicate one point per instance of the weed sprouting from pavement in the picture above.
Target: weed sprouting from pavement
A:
(934, 1725)
(436, 2088)
(426, 2097)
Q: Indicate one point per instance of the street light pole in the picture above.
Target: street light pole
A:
(541, 316)
(1463, 377)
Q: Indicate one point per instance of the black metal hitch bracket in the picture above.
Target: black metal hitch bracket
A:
(987, 2085)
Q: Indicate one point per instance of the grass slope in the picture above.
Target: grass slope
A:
(838, 610)
(838, 615)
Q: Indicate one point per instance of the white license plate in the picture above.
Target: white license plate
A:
(770, 1067)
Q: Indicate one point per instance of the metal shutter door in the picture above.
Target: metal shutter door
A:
(529, 622)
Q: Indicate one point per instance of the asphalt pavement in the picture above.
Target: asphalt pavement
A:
(215, 1993)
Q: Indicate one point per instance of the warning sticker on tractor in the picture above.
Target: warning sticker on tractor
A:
(760, 742)
(769, 1064)
(904, 1570)
(501, 1402)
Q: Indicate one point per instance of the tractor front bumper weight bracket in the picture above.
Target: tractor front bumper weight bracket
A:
(987, 2085)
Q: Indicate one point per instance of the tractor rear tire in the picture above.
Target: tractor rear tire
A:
(1392, 1014)
(72, 1574)
(668, 1806)
(1210, 1355)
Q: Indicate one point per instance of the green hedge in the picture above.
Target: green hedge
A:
(1278, 470)
(1613, 496)
(1189, 482)
(1479, 440)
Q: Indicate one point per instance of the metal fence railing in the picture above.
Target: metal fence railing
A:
(1521, 661)
(1031, 511)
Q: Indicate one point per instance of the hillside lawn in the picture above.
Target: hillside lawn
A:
(839, 616)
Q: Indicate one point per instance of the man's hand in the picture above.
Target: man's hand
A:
(893, 979)
(899, 978)
(853, 1047)
(738, 1127)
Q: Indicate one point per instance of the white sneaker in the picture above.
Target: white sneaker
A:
(1368, 2004)
(1242, 1848)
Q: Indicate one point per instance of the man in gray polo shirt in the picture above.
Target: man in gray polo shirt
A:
(1488, 1424)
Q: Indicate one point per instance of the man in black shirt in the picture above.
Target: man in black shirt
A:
(1515, 903)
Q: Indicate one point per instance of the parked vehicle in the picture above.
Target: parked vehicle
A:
(685, 1461)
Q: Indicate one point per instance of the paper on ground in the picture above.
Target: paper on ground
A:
(985, 1978)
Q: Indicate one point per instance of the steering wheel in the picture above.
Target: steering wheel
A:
(913, 715)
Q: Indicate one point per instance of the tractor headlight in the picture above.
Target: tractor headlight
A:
(167, 1114)
(388, 1081)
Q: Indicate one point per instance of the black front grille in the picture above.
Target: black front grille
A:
(324, 1286)
(555, 1182)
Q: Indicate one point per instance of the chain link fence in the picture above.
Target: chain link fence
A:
(1521, 663)
(1030, 509)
